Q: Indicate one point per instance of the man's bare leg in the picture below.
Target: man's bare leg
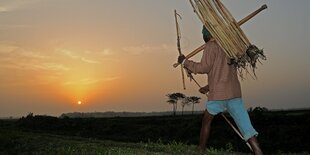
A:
(205, 131)
(255, 146)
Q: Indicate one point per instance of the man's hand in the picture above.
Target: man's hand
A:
(181, 58)
(204, 90)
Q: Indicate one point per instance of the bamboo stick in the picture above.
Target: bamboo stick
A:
(217, 19)
(252, 14)
(238, 133)
(241, 22)
(179, 45)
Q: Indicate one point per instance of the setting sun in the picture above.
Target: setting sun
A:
(79, 102)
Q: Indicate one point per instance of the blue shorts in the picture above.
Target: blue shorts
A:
(237, 110)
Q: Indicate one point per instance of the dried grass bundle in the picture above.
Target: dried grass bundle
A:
(226, 31)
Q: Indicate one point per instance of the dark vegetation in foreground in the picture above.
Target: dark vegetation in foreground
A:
(280, 132)
(23, 142)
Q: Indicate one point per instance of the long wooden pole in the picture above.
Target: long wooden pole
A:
(241, 22)
(238, 133)
(244, 20)
(179, 44)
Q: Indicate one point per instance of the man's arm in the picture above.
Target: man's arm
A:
(206, 62)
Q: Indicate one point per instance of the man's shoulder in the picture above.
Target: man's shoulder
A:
(212, 46)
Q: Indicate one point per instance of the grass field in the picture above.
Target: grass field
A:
(160, 135)
(21, 142)
(14, 141)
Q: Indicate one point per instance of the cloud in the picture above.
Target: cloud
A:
(4, 48)
(107, 55)
(111, 78)
(36, 67)
(82, 82)
(13, 5)
(77, 57)
(89, 61)
(89, 81)
(35, 55)
(106, 52)
(15, 57)
(4, 9)
(143, 49)
(16, 51)
(14, 26)
(52, 67)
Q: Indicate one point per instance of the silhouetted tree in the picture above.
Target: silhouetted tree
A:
(185, 101)
(30, 115)
(176, 97)
(258, 111)
(173, 102)
(250, 109)
(194, 100)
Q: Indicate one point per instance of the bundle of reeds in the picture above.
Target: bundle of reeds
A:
(227, 32)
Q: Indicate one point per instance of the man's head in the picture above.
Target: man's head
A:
(206, 34)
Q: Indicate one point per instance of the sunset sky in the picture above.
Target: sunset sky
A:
(117, 55)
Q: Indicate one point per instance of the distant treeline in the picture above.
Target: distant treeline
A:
(109, 114)
(280, 131)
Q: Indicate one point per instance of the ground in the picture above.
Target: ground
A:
(25, 142)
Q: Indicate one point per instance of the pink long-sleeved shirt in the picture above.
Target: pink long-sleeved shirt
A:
(222, 78)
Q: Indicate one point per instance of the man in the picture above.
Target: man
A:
(224, 92)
